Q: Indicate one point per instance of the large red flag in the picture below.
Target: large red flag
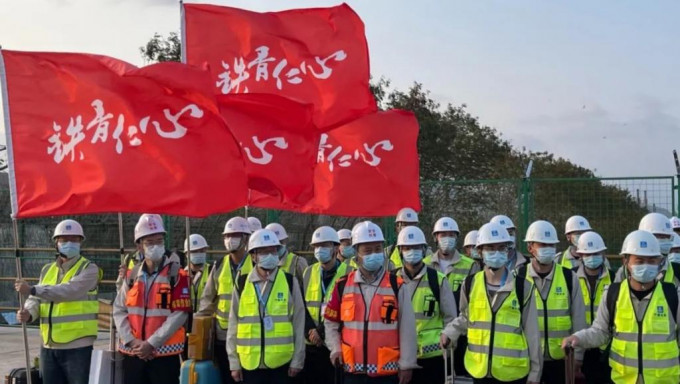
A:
(316, 55)
(90, 134)
(368, 167)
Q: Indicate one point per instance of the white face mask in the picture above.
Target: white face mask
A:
(154, 253)
(232, 244)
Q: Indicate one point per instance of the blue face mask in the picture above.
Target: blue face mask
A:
(674, 257)
(593, 261)
(474, 253)
(495, 259)
(574, 239)
(545, 255)
(665, 245)
(69, 249)
(282, 251)
(197, 258)
(413, 256)
(644, 273)
(267, 261)
(348, 252)
(447, 244)
(323, 254)
(373, 262)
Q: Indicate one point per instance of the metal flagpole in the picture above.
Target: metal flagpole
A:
(21, 301)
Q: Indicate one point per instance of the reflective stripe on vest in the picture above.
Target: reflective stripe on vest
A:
(252, 339)
(198, 288)
(565, 262)
(496, 340)
(147, 314)
(592, 304)
(67, 321)
(429, 320)
(314, 292)
(370, 342)
(225, 287)
(457, 272)
(554, 314)
(649, 345)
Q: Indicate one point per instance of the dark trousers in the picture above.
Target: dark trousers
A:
(160, 370)
(432, 371)
(267, 376)
(494, 381)
(222, 361)
(459, 357)
(596, 367)
(365, 379)
(318, 367)
(65, 366)
(553, 372)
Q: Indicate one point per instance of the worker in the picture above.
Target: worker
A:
(254, 223)
(573, 229)
(265, 338)
(639, 316)
(151, 309)
(660, 226)
(433, 303)
(65, 302)
(405, 217)
(132, 259)
(216, 298)
(559, 300)
(498, 313)
(319, 281)
(470, 249)
(346, 251)
(674, 254)
(370, 324)
(288, 261)
(200, 268)
(515, 258)
(593, 277)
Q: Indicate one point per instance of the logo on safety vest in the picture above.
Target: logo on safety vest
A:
(494, 233)
(660, 311)
(558, 290)
(514, 304)
(185, 291)
(279, 296)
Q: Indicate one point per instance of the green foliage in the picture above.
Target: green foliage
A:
(160, 49)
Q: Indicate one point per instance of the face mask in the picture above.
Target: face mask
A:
(69, 249)
(512, 242)
(413, 256)
(282, 251)
(154, 253)
(593, 261)
(495, 259)
(474, 253)
(665, 245)
(323, 254)
(348, 252)
(545, 255)
(197, 258)
(374, 261)
(268, 261)
(574, 240)
(644, 273)
(674, 257)
(447, 244)
(232, 244)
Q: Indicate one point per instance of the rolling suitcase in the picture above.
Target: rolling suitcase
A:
(199, 372)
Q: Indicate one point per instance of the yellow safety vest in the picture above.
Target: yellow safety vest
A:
(314, 293)
(429, 319)
(67, 321)
(252, 338)
(396, 259)
(566, 262)
(225, 287)
(669, 276)
(289, 266)
(460, 270)
(496, 340)
(554, 314)
(591, 301)
(198, 288)
(648, 346)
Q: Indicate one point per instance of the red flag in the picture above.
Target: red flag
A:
(368, 167)
(316, 55)
(279, 144)
(91, 134)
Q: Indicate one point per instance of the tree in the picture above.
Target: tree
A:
(160, 49)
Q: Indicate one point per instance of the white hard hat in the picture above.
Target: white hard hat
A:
(590, 242)
(641, 243)
(676, 241)
(254, 223)
(445, 224)
(492, 233)
(367, 232)
(576, 223)
(411, 235)
(197, 242)
(541, 231)
(656, 223)
(148, 224)
(407, 215)
(503, 221)
(675, 222)
(324, 234)
(263, 238)
(68, 228)
(345, 234)
(237, 224)
(279, 230)
(471, 238)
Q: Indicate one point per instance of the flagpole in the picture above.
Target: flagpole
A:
(112, 324)
(21, 301)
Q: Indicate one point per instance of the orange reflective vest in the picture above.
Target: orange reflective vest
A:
(147, 314)
(370, 342)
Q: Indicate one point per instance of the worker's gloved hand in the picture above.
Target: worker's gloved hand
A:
(23, 316)
(22, 287)
(336, 359)
(315, 338)
(405, 376)
(237, 375)
(292, 372)
(570, 342)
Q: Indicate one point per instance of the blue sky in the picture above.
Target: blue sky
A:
(594, 81)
